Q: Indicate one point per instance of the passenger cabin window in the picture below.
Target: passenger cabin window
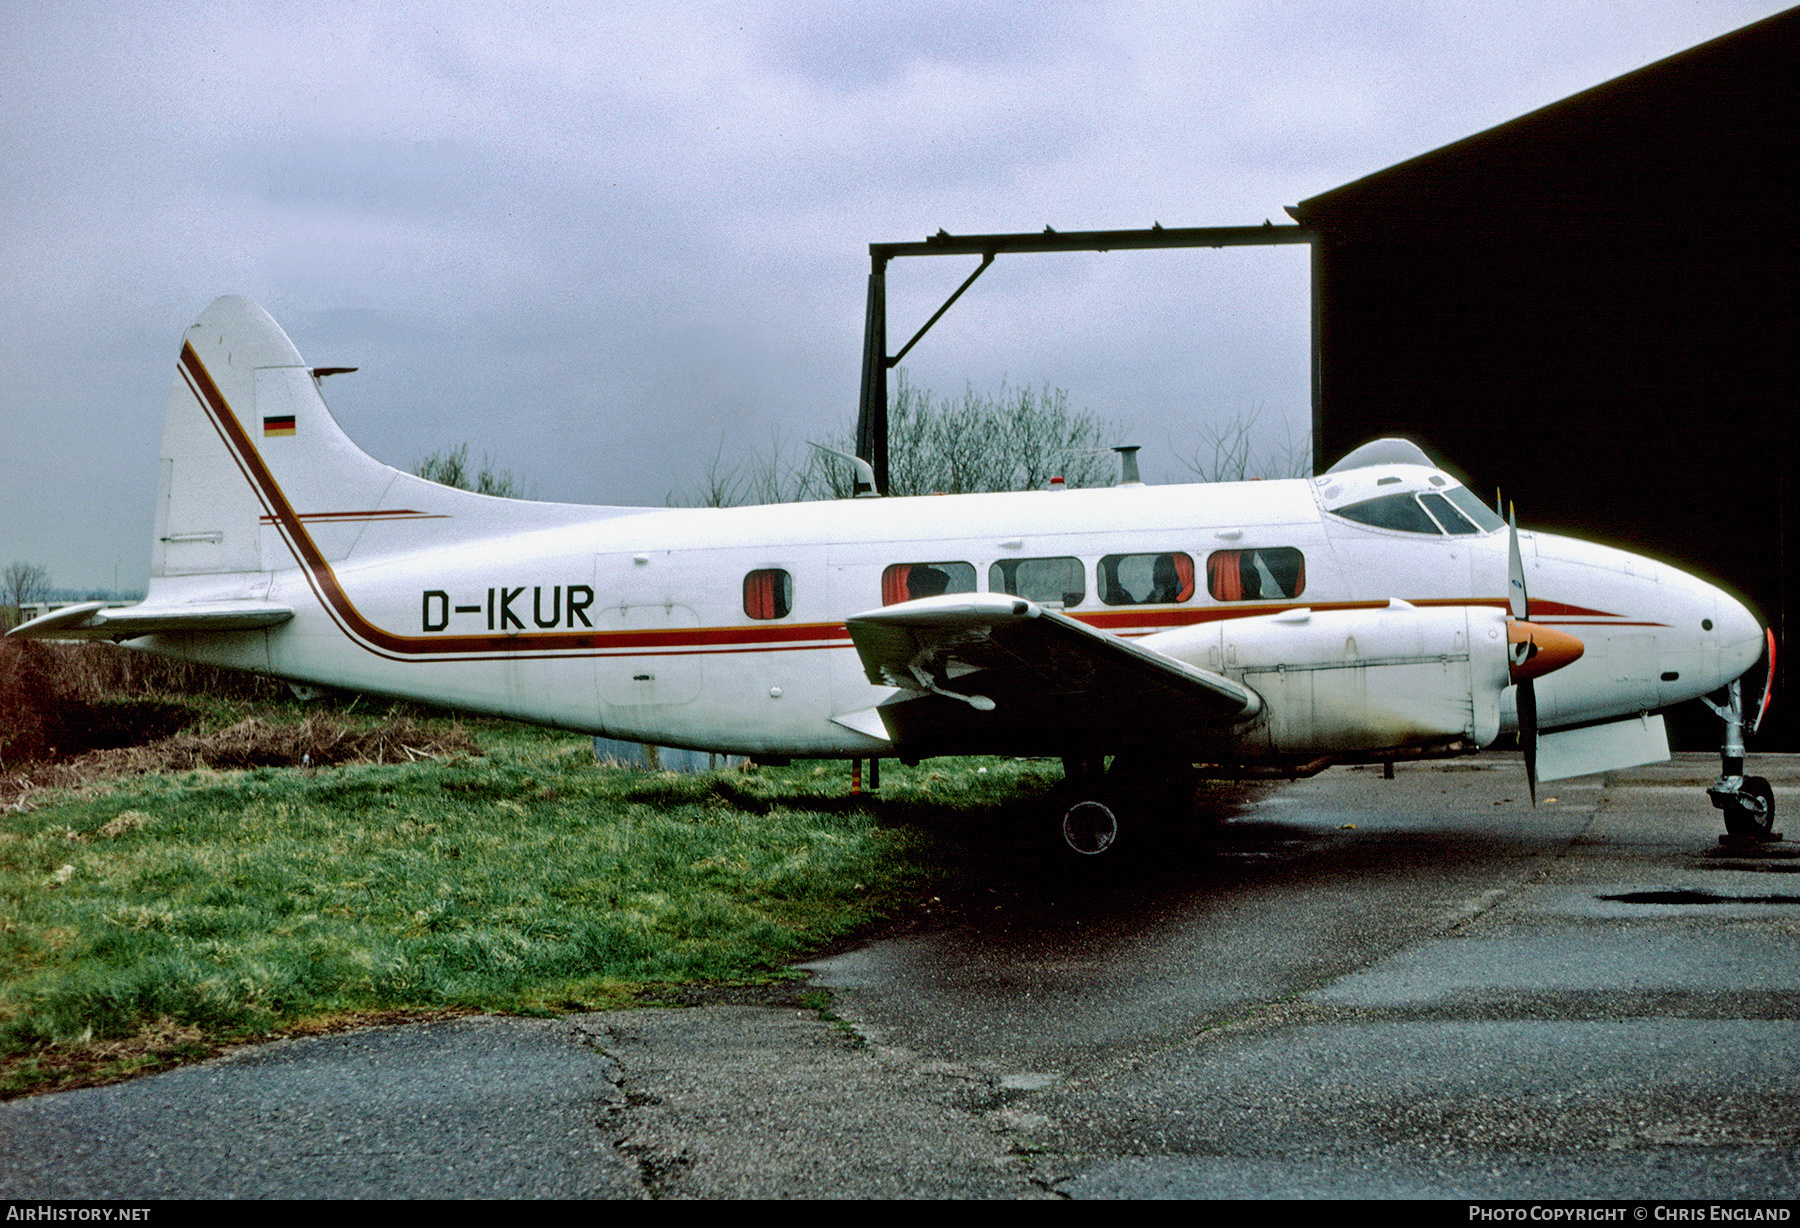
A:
(1146, 579)
(1047, 581)
(910, 581)
(768, 593)
(1274, 573)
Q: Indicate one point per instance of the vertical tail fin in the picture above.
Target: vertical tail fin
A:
(258, 476)
(248, 445)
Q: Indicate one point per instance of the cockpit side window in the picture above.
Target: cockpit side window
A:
(1399, 512)
(1474, 508)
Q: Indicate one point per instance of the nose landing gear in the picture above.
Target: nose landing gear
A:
(1750, 810)
(1748, 801)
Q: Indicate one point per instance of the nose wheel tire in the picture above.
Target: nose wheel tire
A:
(1089, 828)
(1751, 810)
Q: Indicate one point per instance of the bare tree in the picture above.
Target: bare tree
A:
(1016, 439)
(451, 468)
(774, 477)
(1227, 452)
(721, 485)
(22, 583)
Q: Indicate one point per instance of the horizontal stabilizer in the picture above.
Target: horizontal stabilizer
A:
(95, 620)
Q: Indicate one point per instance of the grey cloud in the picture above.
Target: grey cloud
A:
(596, 241)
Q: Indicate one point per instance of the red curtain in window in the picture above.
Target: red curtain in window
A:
(893, 584)
(1184, 572)
(759, 594)
(1224, 578)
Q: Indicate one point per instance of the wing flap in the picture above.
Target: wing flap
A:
(1608, 747)
(1031, 676)
(94, 620)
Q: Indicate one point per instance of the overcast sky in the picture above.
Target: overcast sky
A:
(600, 241)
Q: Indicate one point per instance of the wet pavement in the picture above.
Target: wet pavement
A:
(1360, 988)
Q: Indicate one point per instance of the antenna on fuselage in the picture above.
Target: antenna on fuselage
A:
(1128, 466)
(864, 485)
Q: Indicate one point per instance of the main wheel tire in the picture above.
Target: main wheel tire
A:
(1089, 828)
(1752, 811)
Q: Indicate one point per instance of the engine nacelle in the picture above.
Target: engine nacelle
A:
(1358, 680)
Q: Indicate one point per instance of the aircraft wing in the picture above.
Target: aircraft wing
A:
(1030, 678)
(95, 620)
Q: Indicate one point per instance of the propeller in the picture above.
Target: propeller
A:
(1531, 651)
(1762, 708)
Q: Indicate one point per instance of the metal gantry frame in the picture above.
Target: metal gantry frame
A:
(871, 418)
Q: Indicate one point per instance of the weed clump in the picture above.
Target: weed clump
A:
(254, 742)
(60, 701)
(71, 714)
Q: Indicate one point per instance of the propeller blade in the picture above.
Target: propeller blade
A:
(1533, 651)
(1528, 734)
(1768, 683)
(1517, 600)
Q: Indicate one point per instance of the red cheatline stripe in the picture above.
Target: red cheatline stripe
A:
(348, 517)
(1543, 611)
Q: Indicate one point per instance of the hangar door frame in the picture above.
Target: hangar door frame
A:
(871, 416)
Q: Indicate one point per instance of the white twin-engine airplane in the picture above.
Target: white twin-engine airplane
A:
(1377, 612)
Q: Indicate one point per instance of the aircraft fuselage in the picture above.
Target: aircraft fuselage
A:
(637, 626)
(1358, 613)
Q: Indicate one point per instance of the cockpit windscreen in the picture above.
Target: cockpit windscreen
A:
(1454, 511)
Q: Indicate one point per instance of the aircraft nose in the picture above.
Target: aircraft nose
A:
(1740, 636)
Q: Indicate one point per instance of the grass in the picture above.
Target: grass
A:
(149, 919)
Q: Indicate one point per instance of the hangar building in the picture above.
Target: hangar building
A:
(1595, 307)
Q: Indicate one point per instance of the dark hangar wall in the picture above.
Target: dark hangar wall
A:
(1594, 308)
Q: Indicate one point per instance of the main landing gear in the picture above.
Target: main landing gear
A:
(1086, 808)
(1097, 803)
(1748, 801)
